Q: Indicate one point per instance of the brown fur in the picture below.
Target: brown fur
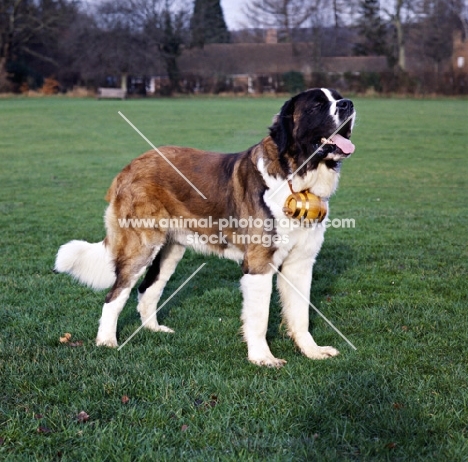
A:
(236, 187)
(150, 188)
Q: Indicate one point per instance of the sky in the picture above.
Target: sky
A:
(232, 10)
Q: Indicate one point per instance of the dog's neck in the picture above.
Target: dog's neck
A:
(321, 181)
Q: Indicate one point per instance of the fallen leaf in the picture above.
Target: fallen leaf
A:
(213, 401)
(66, 337)
(125, 399)
(82, 417)
(404, 328)
(391, 445)
(38, 416)
(184, 428)
(398, 406)
(76, 344)
(45, 430)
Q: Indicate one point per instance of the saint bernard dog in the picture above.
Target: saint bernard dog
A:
(303, 152)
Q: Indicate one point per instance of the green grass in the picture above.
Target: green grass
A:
(396, 286)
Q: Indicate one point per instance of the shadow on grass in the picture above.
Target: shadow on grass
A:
(332, 262)
(217, 273)
(359, 414)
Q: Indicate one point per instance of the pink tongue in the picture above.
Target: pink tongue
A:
(343, 143)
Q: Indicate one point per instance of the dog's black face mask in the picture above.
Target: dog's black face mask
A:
(304, 127)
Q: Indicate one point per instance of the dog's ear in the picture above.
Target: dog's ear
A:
(282, 129)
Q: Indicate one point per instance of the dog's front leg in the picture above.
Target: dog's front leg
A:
(294, 283)
(256, 290)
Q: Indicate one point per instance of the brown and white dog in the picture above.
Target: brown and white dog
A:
(247, 187)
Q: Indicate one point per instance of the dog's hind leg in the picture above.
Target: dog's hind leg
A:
(129, 267)
(150, 290)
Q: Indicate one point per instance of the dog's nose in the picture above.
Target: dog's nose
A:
(345, 104)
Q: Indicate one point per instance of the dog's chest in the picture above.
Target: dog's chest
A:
(321, 181)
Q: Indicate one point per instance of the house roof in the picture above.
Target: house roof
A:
(268, 58)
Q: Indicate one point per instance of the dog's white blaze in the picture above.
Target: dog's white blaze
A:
(328, 94)
(333, 111)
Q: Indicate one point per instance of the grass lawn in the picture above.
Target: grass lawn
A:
(395, 285)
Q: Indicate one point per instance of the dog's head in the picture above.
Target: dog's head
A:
(312, 127)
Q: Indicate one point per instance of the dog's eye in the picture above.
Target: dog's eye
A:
(314, 107)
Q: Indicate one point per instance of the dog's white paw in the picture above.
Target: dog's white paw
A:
(159, 328)
(323, 352)
(309, 348)
(108, 342)
(268, 361)
(259, 353)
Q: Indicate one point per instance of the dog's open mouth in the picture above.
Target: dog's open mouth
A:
(339, 144)
(344, 145)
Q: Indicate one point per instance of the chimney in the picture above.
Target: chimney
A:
(271, 36)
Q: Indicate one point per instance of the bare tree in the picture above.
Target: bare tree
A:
(400, 13)
(284, 15)
(129, 36)
(29, 31)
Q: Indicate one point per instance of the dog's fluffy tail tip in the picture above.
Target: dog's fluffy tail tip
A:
(91, 264)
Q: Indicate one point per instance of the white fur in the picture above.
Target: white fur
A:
(256, 290)
(188, 238)
(295, 298)
(297, 258)
(321, 181)
(333, 111)
(107, 333)
(148, 300)
(91, 264)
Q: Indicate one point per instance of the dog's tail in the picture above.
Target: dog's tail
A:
(91, 264)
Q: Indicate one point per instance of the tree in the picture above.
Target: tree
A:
(284, 15)
(398, 14)
(440, 18)
(29, 35)
(129, 34)
(207, 24)
(170, 44)
(372, 29)
(384, 28)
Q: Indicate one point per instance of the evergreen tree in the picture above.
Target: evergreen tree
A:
(372, 29)
(207, 24)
